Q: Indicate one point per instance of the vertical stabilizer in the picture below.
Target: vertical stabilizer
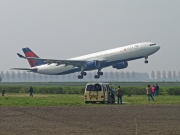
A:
(33, 63)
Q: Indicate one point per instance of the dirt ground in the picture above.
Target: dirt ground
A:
(91, 120)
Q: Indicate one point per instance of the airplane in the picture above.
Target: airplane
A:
(118, 58)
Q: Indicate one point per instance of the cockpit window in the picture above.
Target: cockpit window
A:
(152, 44)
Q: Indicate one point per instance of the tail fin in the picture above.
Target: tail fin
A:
(33, 63)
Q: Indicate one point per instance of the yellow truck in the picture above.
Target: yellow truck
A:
(97, 92)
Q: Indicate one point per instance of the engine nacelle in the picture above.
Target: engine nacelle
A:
(121, 65)
(95, 64)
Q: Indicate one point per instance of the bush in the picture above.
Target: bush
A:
(173, 91)
(45, 89)
(134, 90)
(12, 89)
(80, 90)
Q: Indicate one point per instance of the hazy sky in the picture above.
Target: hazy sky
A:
(62, 29)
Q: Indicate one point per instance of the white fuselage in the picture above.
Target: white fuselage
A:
(125, 53)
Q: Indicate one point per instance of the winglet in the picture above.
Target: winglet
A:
(21, 56)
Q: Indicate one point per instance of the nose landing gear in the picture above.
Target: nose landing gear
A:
(146, 61)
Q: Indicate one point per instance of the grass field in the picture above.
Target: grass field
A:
(11, 99)
(41, 100)
(23, 99)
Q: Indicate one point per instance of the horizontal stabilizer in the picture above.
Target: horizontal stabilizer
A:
(27, 69)
(21, 56)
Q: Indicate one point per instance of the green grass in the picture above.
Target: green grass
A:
(11, 99)
(143, 99)
(41, 100)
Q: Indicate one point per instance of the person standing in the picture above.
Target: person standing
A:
(31, 91)
(153, 90)
(2, 91)
(149, 93)
(119, 94)
(112, 95)
(156, 90)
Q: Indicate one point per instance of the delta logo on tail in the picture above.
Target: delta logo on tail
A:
(29, 53)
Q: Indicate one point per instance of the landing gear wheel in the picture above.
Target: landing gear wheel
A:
(80, 77)
(100, 73)
(96, 76)
(146, 61)
(83, 73)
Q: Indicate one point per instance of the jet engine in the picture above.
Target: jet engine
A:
(95, 64)
(121, 65)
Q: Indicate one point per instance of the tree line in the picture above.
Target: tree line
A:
(112, 76)
(165, 76)
(23, 76)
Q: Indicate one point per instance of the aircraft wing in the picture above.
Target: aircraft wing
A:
(75, 63)
(59, 62)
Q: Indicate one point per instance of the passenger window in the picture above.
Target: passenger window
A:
(97, 87)
(152, 44)
(90, 87)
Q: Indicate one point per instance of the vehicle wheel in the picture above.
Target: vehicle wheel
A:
(103, 102)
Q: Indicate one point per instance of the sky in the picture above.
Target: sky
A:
(62, 29)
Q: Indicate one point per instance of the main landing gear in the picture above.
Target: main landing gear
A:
(146, 61)
(82, 74)
(99, 73)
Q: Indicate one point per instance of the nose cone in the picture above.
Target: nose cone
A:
(158, 47)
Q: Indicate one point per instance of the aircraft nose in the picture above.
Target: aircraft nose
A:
(158, 47)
